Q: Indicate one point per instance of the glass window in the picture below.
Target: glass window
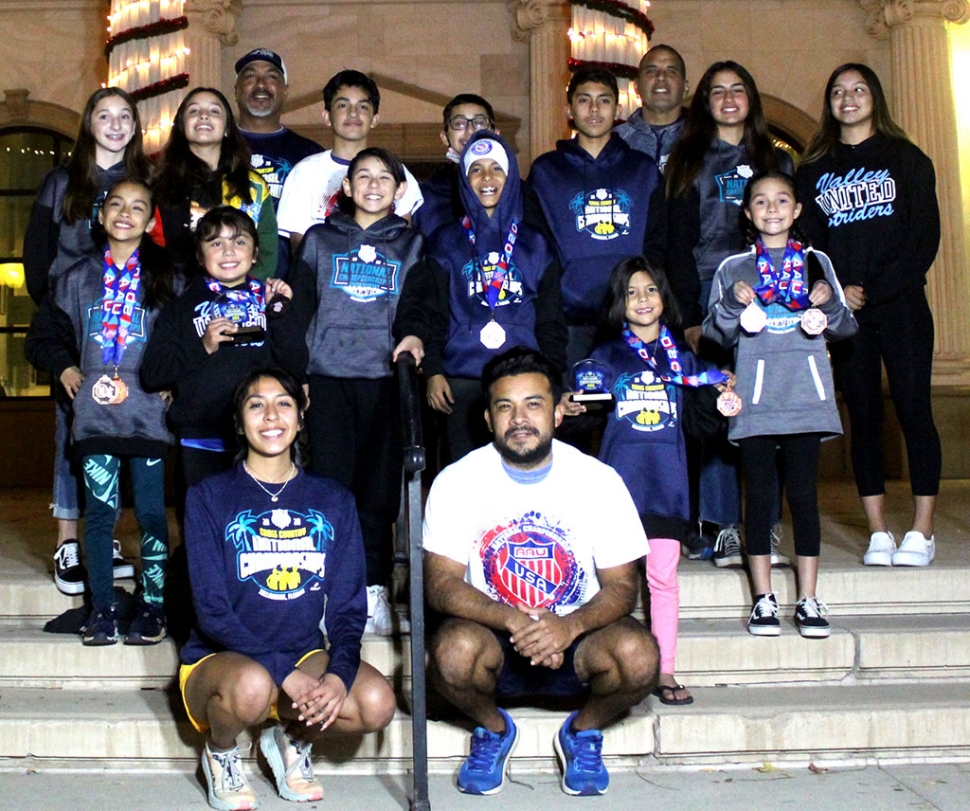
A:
(26, 155)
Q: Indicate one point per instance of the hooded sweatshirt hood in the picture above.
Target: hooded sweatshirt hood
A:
(490, 232)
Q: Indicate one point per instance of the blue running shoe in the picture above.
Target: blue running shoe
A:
(581, 758)
(484, 771)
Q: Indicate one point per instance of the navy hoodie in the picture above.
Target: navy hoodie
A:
(443, 302)
(598, 212)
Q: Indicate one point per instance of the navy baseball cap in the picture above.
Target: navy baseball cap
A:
(262, 55)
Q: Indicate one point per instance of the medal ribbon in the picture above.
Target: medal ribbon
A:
(675, 376)
(117, 306)
(785, 286)
(493, 286)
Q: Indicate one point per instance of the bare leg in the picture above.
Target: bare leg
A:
(465, 661)
(875, 508)
(620, 663)
(66, 530)
(807, 575)
(923, 517)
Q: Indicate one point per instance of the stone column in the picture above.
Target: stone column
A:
(212, 24)
(923, 105)
(544, 23)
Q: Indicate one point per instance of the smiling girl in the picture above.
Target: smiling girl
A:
(206, 164)
(224, 324)
(92, 338)
(108, 148)
(777, 305)
(870, 198)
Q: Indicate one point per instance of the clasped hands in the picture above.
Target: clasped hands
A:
(542, 636)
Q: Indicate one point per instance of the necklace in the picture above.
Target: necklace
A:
(272, 496)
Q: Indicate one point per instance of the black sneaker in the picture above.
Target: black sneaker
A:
(809, 619)
(697, 546)
(764, 616)
(727, 548)
(147, 626)
(123, 569)
(101, 627)
(69, 573)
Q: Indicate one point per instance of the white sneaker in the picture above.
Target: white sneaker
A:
(123, 569)
(778, 558)
(915, 550)
(291, 764)
(380, 616)
(228, 788)
(882, 546)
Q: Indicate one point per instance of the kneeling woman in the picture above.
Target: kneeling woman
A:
(268, 547)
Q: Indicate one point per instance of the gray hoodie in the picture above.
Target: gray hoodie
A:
(784, 375)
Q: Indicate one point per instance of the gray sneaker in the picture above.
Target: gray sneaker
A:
(777, 558)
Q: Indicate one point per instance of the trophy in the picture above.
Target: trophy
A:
(242, 311)
(592, 380)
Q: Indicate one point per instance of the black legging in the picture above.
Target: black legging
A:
(797, 455)
(898, 333)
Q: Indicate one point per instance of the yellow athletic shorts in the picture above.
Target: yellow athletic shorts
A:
(186, 670)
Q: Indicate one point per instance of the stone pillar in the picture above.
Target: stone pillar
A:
(212, 24)
(923, 106)
(544, 23)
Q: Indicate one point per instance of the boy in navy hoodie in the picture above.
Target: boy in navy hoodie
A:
(600, 201)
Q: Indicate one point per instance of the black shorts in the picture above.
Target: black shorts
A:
(519, 678)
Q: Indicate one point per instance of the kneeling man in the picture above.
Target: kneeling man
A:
(531, 550)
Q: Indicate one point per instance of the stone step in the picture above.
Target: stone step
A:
(710, 653)
(147, 730)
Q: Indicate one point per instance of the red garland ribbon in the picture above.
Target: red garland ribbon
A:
(617, 9)
(160, 88)
(618, 68)
(158, 29)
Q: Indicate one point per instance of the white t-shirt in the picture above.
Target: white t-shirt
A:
(539, 543)
(311, 189)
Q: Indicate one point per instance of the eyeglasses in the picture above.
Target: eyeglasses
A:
(460, 123)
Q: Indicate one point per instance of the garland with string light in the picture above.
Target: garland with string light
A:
(160, 88)
(618, 69)
(615, 8)
(159, 29)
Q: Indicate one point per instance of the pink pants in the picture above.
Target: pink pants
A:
(664, 597)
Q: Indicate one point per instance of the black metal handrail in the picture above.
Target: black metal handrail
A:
(415, 459)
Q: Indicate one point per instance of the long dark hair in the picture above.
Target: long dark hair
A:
(616, 295)
(750, 232)
(291, 386)
(82, 167)
(829, 130)
(700, 132)
(179, 168)
(157, 274)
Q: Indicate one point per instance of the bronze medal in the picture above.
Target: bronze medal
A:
(109, 390)
(728, 403)
(814, 321)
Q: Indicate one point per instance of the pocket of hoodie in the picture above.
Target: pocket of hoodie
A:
(816, 378)
(362, 351)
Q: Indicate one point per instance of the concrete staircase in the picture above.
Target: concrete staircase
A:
(893, 680)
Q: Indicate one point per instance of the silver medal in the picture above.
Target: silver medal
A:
(492, 335)
(753, 318)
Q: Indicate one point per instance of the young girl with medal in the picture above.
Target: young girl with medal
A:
(92, 339)
(347, 281)
(108, 148)
(205, 164)
(658, 386)
(489, 282)
(225, 324)
(870, 199)
(270, 548)
(777, 305)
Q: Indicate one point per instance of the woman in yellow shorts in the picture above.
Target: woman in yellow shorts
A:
(269, 548)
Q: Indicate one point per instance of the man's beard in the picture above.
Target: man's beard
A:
(523, 458)
(259, 112)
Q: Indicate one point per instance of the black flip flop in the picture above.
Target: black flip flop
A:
(665, 692)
